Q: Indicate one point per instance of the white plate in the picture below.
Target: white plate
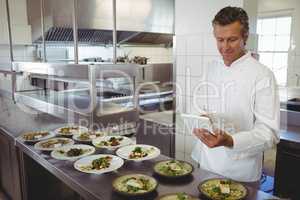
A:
(62, 156)
(81, 129)
(92, 136)
(124, 142)
(41, 148)
(115, 164)
(50, 135)
(152, 151)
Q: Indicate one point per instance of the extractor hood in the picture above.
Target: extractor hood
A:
(138, 21)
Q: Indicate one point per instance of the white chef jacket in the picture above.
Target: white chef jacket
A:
(245, 99)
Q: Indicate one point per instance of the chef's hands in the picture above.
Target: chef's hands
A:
(220, 137)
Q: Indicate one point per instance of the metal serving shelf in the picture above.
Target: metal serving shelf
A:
(64, 104)
(77, 71)
(143, 99)
(93, 100)
(83, 103)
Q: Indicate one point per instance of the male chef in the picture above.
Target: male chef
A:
(244, 98)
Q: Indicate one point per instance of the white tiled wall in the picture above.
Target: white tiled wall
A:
(181, 85)
(181, 65)
(194, 65)
(184, 141)
(181, 45)
(20, 53)
(191, 48)
(209, 45)
(155, 54)
(195, 52)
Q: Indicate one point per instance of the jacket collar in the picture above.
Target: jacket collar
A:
(240, 59)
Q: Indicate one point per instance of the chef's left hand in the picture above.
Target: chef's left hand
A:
(220, 137)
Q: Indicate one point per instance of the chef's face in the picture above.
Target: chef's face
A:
(230, 41)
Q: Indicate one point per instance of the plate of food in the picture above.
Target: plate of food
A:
(53, 143)
(138, 152)
(72, 152)
(88, 136)
(134, 184)
(111, 142)
(70, 130)
(177, 196)
(173, 168)
(98, 164)
(36, 136)
(223, 189)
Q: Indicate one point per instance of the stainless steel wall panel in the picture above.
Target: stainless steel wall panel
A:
(148, 16)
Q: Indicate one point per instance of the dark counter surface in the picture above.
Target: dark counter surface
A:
(99, 187)
(290, 134)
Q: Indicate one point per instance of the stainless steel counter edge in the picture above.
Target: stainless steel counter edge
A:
(8, 135)
(55, 171)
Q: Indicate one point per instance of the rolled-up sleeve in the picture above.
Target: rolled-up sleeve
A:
(265, 132)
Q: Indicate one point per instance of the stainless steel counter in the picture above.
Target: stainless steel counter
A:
(15, 121)
(165, 118)
(99, 187)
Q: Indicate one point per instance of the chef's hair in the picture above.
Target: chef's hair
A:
(229, 15)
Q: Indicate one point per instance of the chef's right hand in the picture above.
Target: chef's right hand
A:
(219, 138)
